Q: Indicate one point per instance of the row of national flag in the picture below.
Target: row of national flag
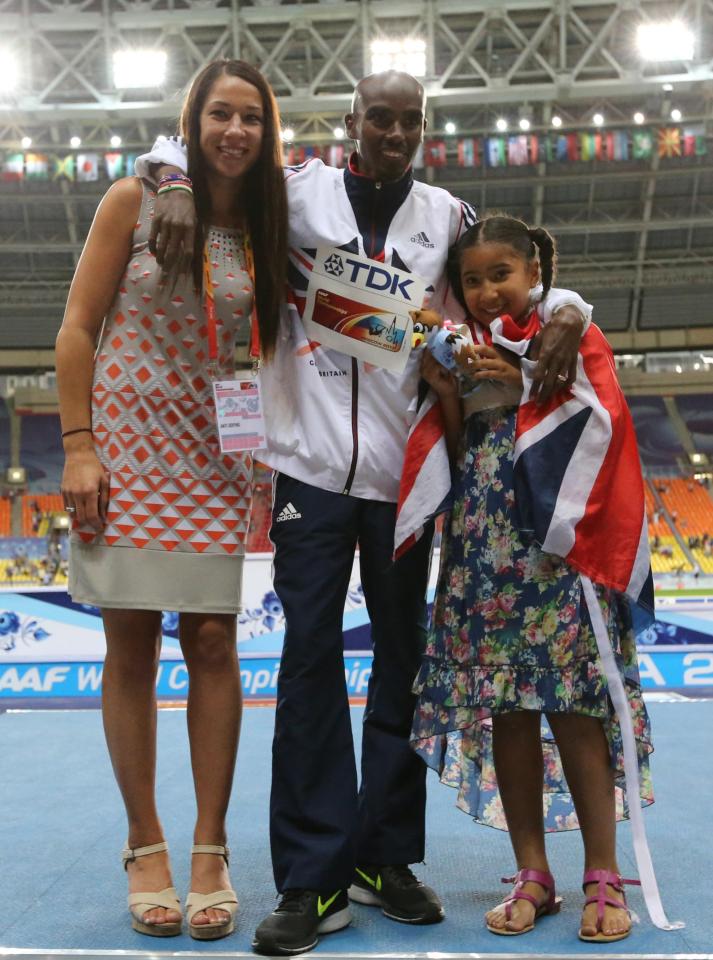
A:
(519, 150)
(498, 151)
(81, 167)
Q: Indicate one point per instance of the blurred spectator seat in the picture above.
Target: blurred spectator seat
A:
(691, 505)
(666, 553)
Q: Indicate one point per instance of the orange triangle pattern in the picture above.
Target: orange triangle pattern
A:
(153, 412)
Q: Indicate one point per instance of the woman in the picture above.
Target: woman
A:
(160, 516)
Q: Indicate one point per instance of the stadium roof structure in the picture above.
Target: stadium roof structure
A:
(634, 223)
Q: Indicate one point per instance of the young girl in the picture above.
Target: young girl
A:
(160, 515)
(511, 638)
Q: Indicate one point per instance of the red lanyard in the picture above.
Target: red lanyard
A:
(210, 314)
(211, 318)
(254, 328)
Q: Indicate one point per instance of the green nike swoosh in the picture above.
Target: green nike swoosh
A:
(321, 907)
(376, 884)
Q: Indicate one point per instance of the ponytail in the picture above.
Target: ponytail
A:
(548, 256)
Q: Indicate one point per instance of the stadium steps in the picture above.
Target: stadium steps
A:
(680, 559)
(690, 506)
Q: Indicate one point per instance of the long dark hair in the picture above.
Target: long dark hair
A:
(263, 194)
(500, 228)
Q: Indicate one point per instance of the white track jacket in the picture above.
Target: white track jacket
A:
(333, 421)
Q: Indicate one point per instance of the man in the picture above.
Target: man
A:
(337, 431)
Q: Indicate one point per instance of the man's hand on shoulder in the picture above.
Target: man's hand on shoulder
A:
(173, 227)
(555, 348)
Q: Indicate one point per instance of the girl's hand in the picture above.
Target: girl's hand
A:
(436, 376)
(481, 362)
(85, 486)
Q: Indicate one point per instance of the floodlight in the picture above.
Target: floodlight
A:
(501, 124)
(556, 121)
(408, 55)
(676, 115)
(524, 123)
(639, 117)
(9, 71)
(15, 476)
(665, 41)
(698, 458)
(75, 142)
(115, 141)
(139, 68)
(26, 143)
(450, 128)
(338, 133)
(598, 120)
(288, 135)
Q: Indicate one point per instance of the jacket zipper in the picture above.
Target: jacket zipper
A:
(355, 387)
(355, 426)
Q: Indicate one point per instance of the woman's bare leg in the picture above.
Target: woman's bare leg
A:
(133, 643)
(215, 707)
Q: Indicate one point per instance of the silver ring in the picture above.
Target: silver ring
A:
(70, 509)
(561, 377)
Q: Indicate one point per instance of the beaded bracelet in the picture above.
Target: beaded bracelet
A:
(175, 178)
(176, 186)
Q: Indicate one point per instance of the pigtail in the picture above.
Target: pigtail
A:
(548, 255)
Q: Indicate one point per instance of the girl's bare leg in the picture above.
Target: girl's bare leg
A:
(585, 756)
(517, 751)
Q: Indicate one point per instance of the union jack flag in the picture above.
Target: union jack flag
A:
(426, 477)
(578, 483)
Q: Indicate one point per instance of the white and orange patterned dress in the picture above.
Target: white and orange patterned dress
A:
(178, 509)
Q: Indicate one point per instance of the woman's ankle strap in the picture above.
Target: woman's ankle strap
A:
(219, 849)
(129, 854)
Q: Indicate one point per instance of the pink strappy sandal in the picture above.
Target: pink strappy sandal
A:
(603, 878)
(551, 905)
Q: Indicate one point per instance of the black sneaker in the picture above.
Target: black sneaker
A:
(300, 917)
(398, 892)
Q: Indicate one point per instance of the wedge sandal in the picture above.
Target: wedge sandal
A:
(141, 903)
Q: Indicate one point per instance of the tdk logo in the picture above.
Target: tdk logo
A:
(333, 264)
(377, 278)
(422, 240)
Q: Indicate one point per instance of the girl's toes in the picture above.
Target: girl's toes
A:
(495, 918)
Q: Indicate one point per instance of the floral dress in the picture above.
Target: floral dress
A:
(511, 631)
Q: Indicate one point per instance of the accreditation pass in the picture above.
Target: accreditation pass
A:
(238, 408)
(361, 307)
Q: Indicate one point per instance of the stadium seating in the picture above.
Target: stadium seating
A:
(5, 520)
(48, 503)
(666, 553)
(690, 507)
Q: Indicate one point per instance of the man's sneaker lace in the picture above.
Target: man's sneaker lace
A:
(298, 921)
(399, 893)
